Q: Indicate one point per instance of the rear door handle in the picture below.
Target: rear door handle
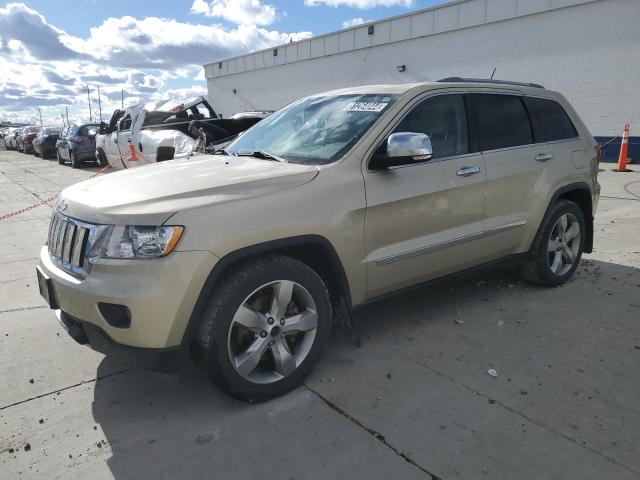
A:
(467, 171)
(543, 157)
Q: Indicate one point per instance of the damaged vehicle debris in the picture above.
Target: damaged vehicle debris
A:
(159, 131)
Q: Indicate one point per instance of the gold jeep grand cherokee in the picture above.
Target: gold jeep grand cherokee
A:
(246, 256)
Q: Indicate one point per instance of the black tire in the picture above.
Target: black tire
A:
(60, 159)
(538, 268)
(101, 158)
(75, 163)
(165, 153)
(211, 345)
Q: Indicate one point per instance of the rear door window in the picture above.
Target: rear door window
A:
(550, 121)
(502, 121)
(444, 119)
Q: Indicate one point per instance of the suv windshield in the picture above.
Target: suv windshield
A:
(315, 130)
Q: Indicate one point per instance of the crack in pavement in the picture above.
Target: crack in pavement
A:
(20, 309)
(621, 198)
(19, 260)
(378, 436)
(84, 382)
(510, 409)
(3, 282)
(22, 186)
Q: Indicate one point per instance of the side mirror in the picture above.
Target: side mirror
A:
(402, 148)
(103, 128)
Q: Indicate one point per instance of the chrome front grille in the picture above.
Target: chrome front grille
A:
(67, 244)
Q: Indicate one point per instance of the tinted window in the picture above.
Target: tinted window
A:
(502, 121)
(125, 123)
(444, 119)
(550, 121)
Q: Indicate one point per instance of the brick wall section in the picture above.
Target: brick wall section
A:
(586, 49)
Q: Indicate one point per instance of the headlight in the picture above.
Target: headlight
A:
(109, 241)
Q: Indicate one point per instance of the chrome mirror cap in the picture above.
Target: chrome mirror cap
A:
(409, 144)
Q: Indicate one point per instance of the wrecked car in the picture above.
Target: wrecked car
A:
(159, 131)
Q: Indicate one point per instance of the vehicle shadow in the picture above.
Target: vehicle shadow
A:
(183, 427)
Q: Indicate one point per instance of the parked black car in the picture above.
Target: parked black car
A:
(77, 144)
(24, 140)
(45, 143)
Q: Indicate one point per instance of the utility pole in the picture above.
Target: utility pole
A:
(40, 112)
(99, 104)
(122, 99)
(89, 99)
(62, 115)
(66, 110)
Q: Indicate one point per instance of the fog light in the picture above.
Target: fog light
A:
(118, 316)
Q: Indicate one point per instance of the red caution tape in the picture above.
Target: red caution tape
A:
(31, 207)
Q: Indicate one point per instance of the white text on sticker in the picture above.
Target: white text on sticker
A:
(364, 107)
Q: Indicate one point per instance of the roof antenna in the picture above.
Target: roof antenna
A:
(493, 73)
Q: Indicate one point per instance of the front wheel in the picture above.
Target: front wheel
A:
(558, 246)
(264, 328)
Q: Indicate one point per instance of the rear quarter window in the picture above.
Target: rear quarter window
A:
(502, 121)
(550, 120)
(86, 130)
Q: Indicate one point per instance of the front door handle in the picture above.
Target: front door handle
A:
(543, 157)
(467, 171)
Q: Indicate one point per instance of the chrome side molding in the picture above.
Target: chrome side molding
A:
(449, 243)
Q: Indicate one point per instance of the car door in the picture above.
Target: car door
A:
(63, 143)
(68, 141)
(422, 220)
(515, 172)
(124, 138)
(111, 149)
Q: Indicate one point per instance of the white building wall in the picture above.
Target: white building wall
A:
(587, 49)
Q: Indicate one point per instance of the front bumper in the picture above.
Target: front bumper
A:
(164, 360)
(159, 294)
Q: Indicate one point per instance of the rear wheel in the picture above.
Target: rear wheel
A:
(75, 163)
(60, 159)
(558, 246)
(264, 328)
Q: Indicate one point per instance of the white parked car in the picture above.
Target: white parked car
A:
(164, 130)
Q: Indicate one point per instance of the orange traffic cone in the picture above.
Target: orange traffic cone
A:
(624, 147)
(133, 156)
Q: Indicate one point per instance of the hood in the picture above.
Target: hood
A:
(151, 194)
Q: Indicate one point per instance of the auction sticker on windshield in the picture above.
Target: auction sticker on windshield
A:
(364, 107)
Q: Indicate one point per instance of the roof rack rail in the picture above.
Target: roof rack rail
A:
(486, 80)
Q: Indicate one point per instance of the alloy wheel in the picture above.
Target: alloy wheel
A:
(564, 244)
(272, 332)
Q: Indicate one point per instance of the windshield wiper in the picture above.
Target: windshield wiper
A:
(262, 155)
(220, 151)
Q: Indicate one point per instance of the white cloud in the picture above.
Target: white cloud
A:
(168, 44)
(43, 66)
(361, 4)
(352, 22)
(241, 12)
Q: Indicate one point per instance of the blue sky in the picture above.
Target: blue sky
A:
(77, 16)
(50, 50)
